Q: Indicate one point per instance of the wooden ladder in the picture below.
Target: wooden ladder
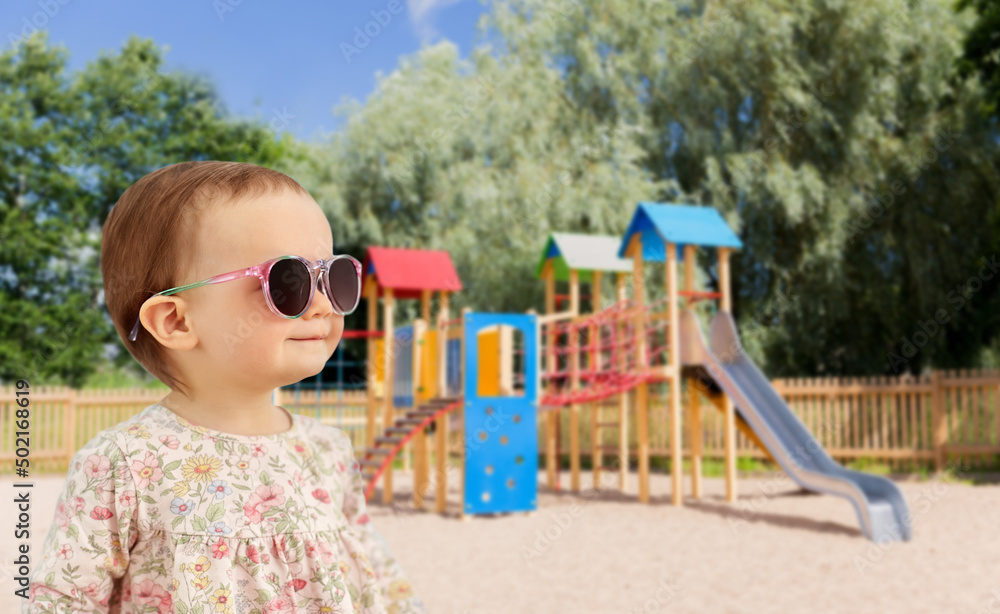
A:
(619, 423)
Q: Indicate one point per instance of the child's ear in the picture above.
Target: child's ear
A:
(166, 319)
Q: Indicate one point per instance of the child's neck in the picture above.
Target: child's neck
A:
(228, 414)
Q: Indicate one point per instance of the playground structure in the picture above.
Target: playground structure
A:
(470, 376)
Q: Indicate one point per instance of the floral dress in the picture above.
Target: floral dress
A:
(161, 515)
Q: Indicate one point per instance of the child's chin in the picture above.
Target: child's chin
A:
(307, 368)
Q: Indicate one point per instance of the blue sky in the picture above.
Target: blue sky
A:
(266, 57)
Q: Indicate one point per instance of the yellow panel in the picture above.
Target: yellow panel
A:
(429, 365)
(489, 364)
(375, 362)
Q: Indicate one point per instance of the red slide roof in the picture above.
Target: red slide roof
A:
(410, 271)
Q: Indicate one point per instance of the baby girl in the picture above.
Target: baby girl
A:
(221, 280)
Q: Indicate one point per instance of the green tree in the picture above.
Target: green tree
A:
(859, 173)
(981, 53)
(483, 157)
(981, 60)
(70, 144)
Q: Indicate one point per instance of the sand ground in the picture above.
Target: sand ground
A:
(776, 550)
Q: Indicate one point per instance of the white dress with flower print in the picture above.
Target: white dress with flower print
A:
(162, 515)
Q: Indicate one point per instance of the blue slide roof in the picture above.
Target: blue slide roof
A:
(662, 223)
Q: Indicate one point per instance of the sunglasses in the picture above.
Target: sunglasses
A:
(289, 284)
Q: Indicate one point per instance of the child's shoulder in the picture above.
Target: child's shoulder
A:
(123, 435)
(324, 435)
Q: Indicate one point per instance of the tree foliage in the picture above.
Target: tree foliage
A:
(482, 157)
(832, 135)
(69, 146)
(981, 52)
(849, 142)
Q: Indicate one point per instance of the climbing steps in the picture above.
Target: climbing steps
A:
(375, 460)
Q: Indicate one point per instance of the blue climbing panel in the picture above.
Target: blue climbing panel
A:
(501, 433)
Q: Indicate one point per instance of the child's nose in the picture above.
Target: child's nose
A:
(321, 304)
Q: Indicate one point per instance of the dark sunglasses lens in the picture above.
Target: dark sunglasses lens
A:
(290, 284)
(344, 286)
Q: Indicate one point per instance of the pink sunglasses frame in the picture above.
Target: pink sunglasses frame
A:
(262, 271)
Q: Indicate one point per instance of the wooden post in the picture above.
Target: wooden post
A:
(642, 434)
(729, 424)
(726, 303)
(387, 409)
(373, 361)
(596, 301)
(939, 427)
(596, 455)
(551, 364)
(694, 410)
(674, 377)
(441, 424)
(422, 445)
(441, 464)
(574, 292)
(621, 294)
(573, 345)
(639, 296)
(594, 365)
(421, 451)
(694, 400)
(642, 391)
(442, 340)
(689, 262)
(461, 473)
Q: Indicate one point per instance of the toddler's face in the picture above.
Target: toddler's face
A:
(241, 342)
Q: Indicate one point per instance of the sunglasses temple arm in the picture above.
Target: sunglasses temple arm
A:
(218, 279)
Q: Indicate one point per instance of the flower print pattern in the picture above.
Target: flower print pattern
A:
(221, 602)
(170, 441)
(147, 471)
(321, 495)
(262, 500)
(219, 488)
(181, 507)
(201, 468)
(219, 528)
(97, 466)
(159, 513)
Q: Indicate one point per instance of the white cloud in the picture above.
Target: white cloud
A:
(422, 16)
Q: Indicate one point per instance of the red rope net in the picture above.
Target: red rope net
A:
(606, 349)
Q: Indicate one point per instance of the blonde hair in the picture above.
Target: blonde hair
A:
(145, 239)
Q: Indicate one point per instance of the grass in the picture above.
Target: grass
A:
(955, 471)
(870, 465)
(713, 468)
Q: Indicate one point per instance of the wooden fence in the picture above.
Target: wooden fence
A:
(63, 419)
(906, 422)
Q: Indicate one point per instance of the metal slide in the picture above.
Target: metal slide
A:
(882, 510)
